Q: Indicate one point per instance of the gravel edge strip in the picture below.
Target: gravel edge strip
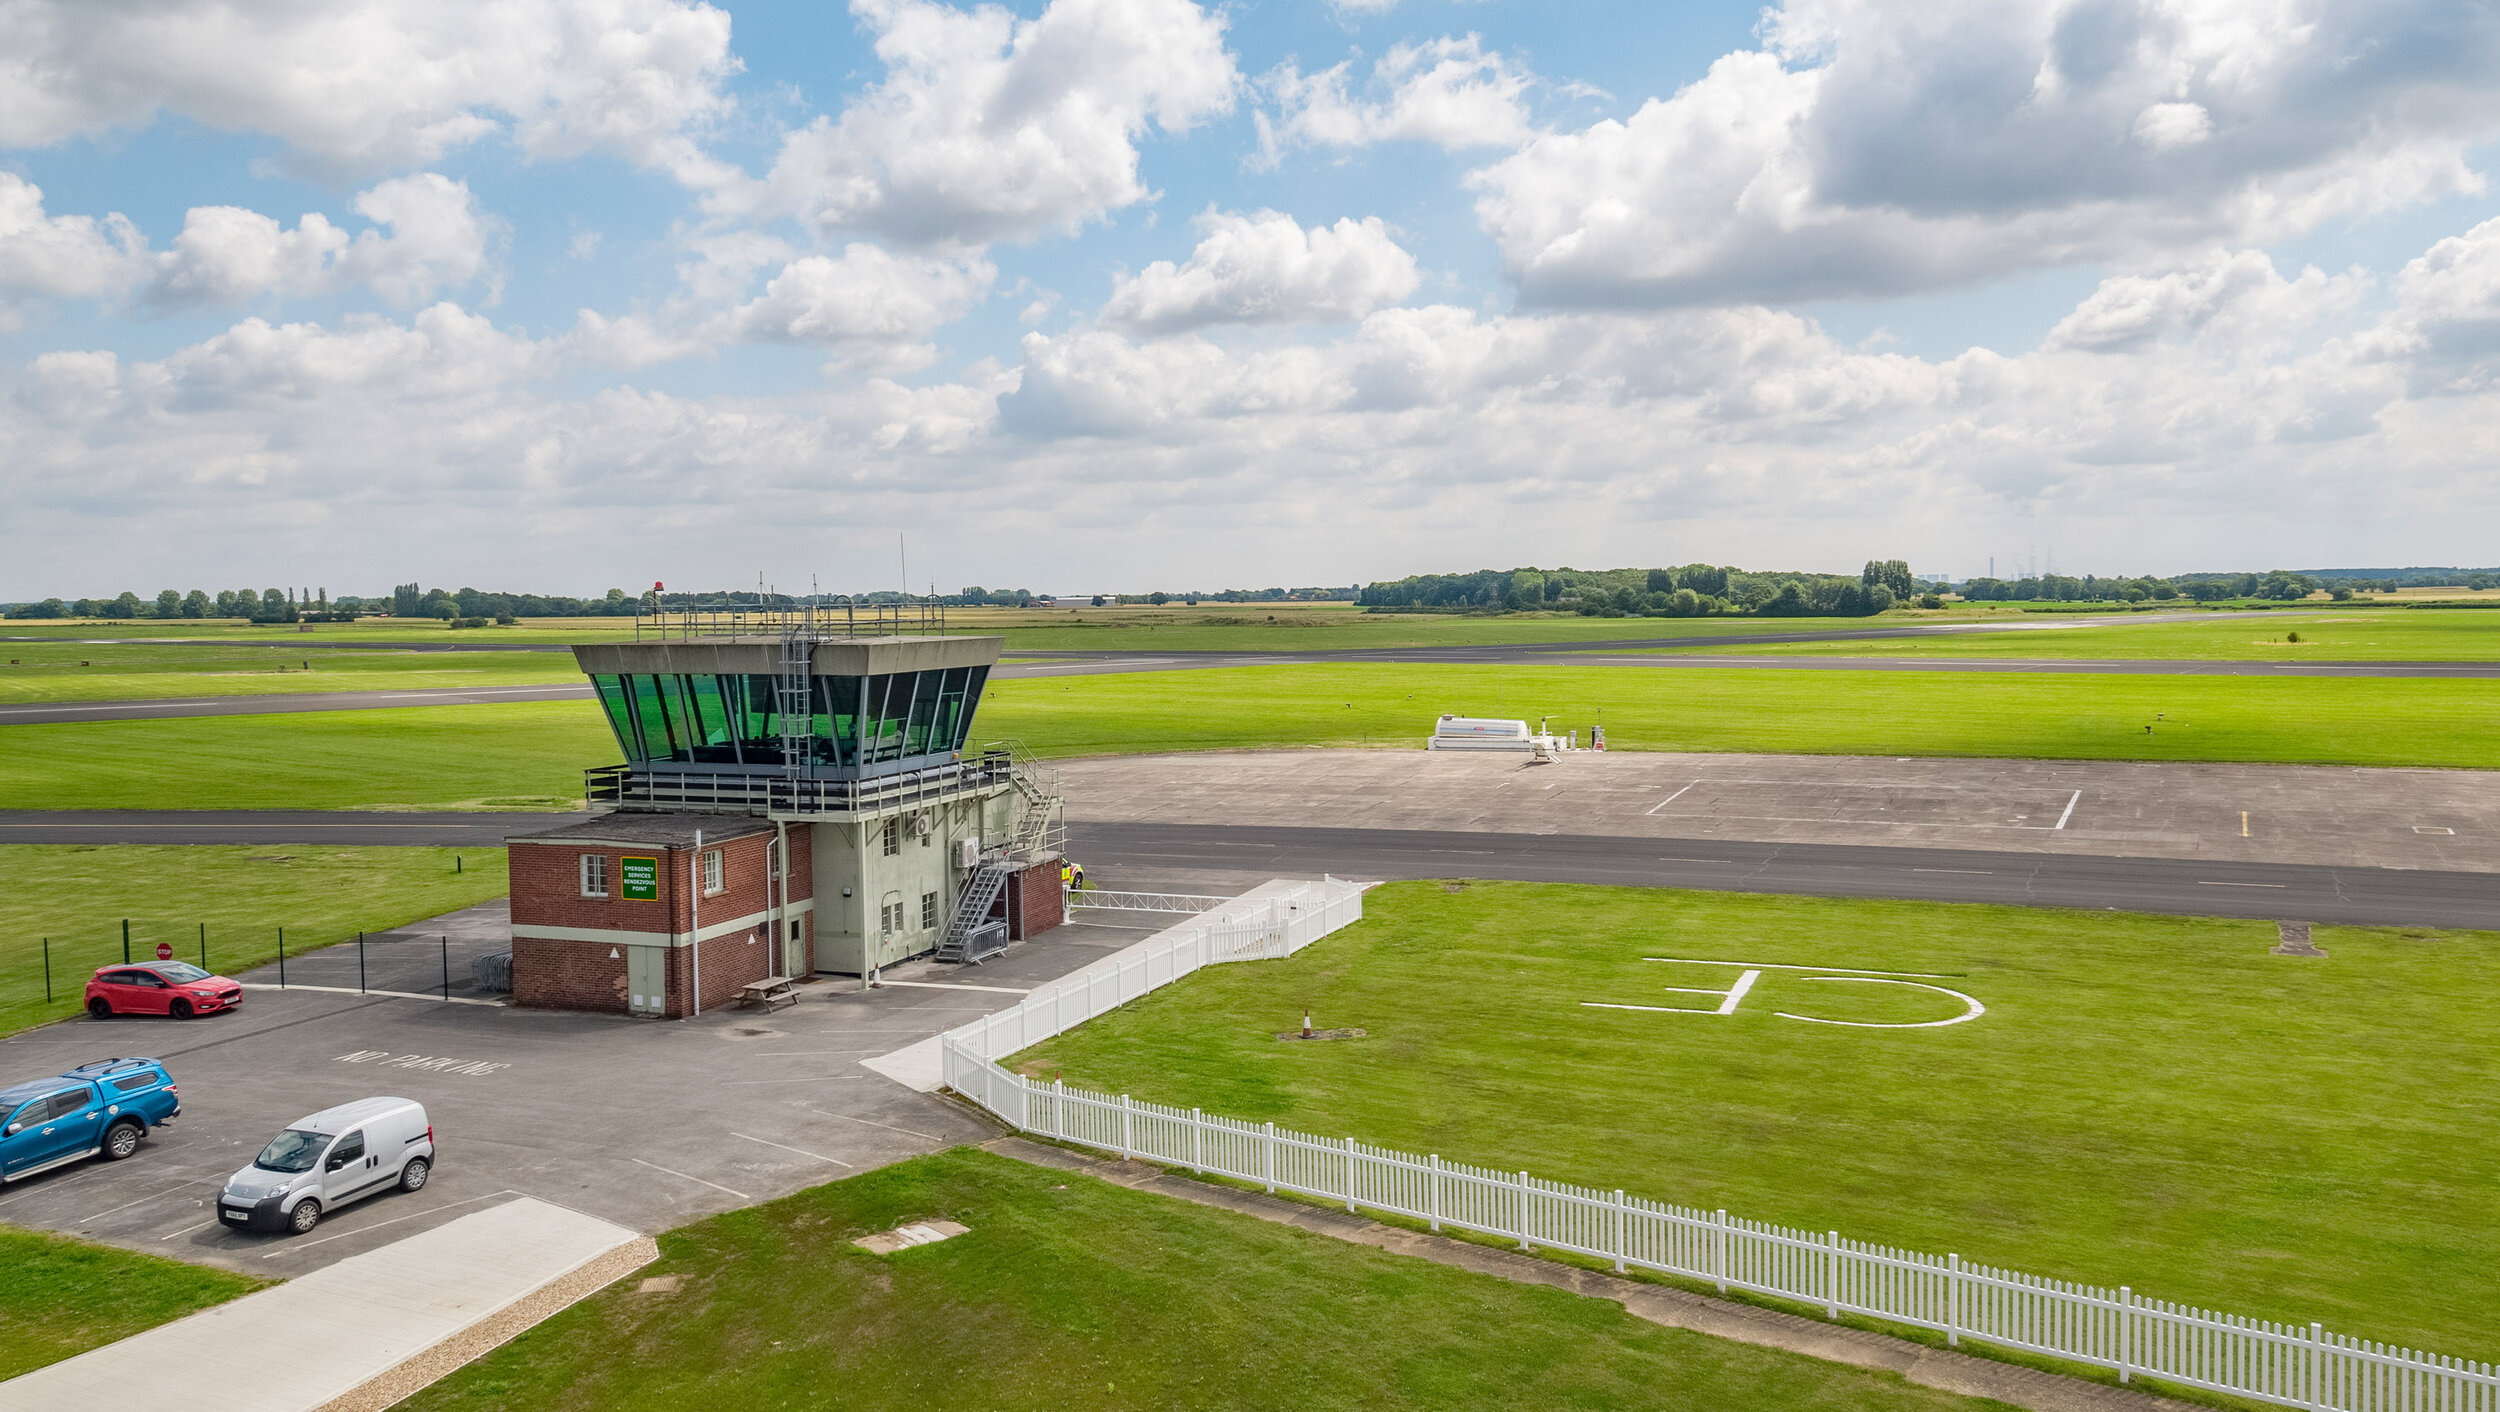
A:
(422, 1369)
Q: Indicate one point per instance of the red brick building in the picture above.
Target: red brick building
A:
(619, 912)
(850, 754)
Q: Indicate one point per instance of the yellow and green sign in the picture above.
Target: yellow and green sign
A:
(641, 877)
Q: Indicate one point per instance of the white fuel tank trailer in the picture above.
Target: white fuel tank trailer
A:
(1479, 733)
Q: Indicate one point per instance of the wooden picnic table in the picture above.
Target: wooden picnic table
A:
(768, 992)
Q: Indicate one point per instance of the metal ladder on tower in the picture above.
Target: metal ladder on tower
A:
(971, 935)
(792, 693)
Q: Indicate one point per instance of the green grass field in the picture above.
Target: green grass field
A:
(528, 755)
(1069, 1292)
(531, 755)
(2148, 1101)
(2370, 635)
(77, 671)
(77, 896)
(1296, 627)
(2352, 721)
(62, 1296)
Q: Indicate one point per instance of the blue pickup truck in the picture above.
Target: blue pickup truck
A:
(101, 1110)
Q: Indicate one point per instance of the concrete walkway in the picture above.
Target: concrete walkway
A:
(1744, 1323)
(360, 1334)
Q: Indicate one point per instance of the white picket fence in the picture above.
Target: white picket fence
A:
(1267, 925)
(2286, 1364)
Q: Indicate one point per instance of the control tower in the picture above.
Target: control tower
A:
(800, 794)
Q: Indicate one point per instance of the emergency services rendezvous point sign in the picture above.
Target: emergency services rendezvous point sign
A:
(641, 877)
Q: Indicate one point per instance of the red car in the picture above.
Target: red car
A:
(175, 988)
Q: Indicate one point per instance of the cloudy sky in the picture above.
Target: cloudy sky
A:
(560, 295)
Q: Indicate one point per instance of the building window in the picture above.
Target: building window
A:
(772, 860)
(890, 914)
(594, 875)
(893, 837)
(928, 909)
(711, 871)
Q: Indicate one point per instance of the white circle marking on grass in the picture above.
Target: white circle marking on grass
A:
(1734, 995)
(1974, 1012)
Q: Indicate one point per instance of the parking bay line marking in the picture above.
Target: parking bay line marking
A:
(100, 1215)
(2070, 809)
(716, 1186)
(889, 1127)
(295, 1245)
(803, 1152)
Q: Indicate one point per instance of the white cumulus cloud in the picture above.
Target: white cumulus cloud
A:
(1451, 92)
(361, 86)
(988, 127)
(1266, 269)
(227, 255)
(46, 257)
(1888, 146)
(2236, 295)
(864, 296)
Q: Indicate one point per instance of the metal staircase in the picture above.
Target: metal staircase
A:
(1039, 829)
(972, 935)
(1041, 825)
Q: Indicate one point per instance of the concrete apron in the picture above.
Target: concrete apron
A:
(1937, 1368)
(359, 1335)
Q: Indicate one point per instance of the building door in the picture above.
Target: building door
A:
(646, 979)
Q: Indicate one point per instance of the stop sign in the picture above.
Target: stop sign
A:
(164, 951)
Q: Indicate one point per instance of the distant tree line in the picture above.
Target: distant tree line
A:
(1692, 590)
(1194, 596)
(267, 605)
(1700, 589)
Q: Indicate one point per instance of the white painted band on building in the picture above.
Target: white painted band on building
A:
(620, 936)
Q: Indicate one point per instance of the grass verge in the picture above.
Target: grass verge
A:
(63, 1296)
(2149, 1101)
(1072, 1293)
(77, 896)
(124, 671)
(528, 755)
(2349, 635)
(2304, 720)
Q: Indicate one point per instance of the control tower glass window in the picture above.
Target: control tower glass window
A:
(894, 720)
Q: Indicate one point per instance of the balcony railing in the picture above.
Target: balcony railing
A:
(820, 621)
(651, 788)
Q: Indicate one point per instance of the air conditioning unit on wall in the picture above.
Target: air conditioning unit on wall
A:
(920, 825)
(967, 853)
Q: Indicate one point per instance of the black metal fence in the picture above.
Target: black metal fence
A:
(437, 965)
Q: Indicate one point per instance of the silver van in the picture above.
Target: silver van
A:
(323, 1162)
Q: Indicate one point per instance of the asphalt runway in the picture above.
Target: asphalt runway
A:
(1144, 854)
(2188, 887)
